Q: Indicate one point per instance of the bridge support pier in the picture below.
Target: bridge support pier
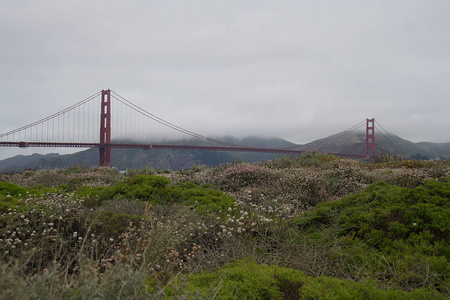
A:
(105, 129)
(370, 137)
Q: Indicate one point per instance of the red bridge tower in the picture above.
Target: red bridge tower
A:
(370, 137)
(105, 129)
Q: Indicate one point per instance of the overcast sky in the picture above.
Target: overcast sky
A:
(300, 70)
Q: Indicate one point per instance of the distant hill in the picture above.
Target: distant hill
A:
(441, 149)
(353, 143)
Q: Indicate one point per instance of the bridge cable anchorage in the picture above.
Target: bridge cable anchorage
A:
(166, 123)
(389, 136)
(88, 99)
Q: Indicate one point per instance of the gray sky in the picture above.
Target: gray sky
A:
(300, 70)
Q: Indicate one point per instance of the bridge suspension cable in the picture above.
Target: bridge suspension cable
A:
(166, 123)
(77, 126)
(333, 137)
(389, 138)
(52, 117)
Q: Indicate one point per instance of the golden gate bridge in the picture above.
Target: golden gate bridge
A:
(77, 127)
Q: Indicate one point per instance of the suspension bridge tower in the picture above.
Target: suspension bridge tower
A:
(105, 129)
(370, 137)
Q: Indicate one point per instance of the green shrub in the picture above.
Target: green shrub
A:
(155, 190)
(7, 188)
(110, 224)
(392, 224)
(141, 171)
(204, 199)
(247, 280)
(90, 195)
(395, 212)
(11, 196)
(142, 187)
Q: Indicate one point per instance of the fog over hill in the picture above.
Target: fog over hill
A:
(353, 143)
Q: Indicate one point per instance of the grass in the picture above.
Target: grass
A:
(312, 227)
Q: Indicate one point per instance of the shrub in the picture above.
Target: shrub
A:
(155, 190)
(118, 282)
(50, 179)
(142, 187)
(110, 224)
(247, 280)
(204, 199)
(243, 175)
(141, 171)
(50, 230)
(392, 224)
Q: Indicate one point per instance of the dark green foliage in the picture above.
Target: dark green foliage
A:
(90, 195)
(384, 214)
(7, 188)
(155, 190)
(143, 187)
(112, 224)
(10, 195)
(387, 225)
(204, 199)
(247, 280)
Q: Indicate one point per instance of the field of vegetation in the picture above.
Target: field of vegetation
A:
(305, 227)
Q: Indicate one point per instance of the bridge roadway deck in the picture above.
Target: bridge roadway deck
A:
(156, 146)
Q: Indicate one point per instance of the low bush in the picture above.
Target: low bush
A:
(143, 187)
(385, 226)
(50, 179)
(156, 190)
(247, 280)
(243, 175)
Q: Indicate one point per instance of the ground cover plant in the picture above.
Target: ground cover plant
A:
(311, 226)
